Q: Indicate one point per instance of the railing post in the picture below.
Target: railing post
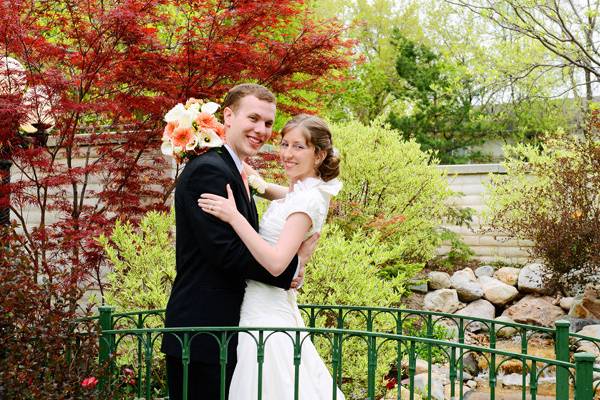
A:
(561, 343)
(584, 373)
(105, 346)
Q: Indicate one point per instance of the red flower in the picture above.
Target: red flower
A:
(391, 383)
(89, 383)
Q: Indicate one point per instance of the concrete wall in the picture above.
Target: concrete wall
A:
(470, 180)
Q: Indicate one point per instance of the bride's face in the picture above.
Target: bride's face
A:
(297, 156)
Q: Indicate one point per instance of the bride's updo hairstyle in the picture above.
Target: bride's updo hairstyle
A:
(317, 133)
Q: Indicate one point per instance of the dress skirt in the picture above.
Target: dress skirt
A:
(268, 306)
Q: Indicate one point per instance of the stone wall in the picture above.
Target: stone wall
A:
(470, 182)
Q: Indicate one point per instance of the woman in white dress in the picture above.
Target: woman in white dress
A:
(294, 214)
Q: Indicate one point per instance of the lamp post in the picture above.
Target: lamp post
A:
(37, 102)
(12, 86)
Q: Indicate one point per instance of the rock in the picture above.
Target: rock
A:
(514, 380)
(566, 303)
(438, 280)
(437, 386)
(504, 331)
(484, 270)
(421, 366)
(442, 300)
(577, 324)
(496, 291)
(531, 279)
(591, 331)
(465, 283)
(589, 346)
(469, 291)
(534, 310)
(471, 364)
(465, 274)
(508, 275)
(420, 288)
(586, 305)
(479, 309)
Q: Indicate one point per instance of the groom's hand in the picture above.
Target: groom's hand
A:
(305, 252)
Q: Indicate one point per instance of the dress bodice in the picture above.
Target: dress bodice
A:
(310, 196)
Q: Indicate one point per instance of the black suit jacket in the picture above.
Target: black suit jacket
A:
(212, 262)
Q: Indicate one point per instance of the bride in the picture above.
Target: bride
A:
(296, 213)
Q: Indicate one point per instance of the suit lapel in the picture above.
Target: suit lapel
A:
(249, 205)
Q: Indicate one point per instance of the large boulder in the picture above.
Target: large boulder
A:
(465, 283)
(437, 385)
(442, 300)
(484, 270)
(531, 279)
(438, 280)
(535, 311)
(588, 346)
(479, 309)
(496, 291)
(587, 305)
(577, 324)
(508, 275)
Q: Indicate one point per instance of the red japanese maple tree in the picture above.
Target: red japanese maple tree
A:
(107, 71)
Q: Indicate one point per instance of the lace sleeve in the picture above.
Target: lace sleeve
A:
(312, 203)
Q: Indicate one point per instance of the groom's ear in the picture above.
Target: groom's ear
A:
(227, 116)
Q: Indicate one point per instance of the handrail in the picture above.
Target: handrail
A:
(580, 372)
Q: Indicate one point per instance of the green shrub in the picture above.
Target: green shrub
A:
(390, 186)
(143, 263)
(551, 196)
(346, 271)
(143, 270)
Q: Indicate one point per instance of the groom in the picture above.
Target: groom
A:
(212, 262)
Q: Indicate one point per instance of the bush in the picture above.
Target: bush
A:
(347, 271)
(391, 187)
(143, 270)
(43, 353)
(551, 196)
(143, 263)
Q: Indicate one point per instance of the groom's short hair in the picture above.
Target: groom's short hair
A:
(238, 92)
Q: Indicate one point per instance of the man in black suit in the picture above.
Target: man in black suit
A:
(212, 262)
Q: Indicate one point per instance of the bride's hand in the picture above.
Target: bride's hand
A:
(221, 207)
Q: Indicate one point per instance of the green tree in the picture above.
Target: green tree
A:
(439, 111)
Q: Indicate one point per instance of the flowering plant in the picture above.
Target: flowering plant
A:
(191, 130)
(89, 383)
(257, 184)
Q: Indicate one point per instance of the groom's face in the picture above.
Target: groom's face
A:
(249, 126)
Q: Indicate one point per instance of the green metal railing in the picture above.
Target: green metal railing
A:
(406, 331)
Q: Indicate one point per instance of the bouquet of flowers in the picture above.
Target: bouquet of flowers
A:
(191, 130)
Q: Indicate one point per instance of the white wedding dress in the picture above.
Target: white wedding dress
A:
(269, 306)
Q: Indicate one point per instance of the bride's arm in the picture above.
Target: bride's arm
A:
(274, 258)
(273, 191)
